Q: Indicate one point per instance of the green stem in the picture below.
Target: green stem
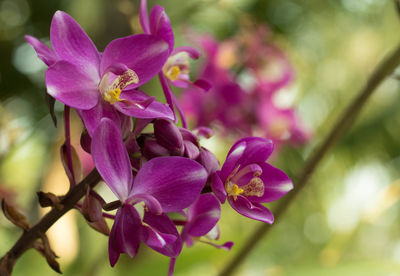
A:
(342, 125)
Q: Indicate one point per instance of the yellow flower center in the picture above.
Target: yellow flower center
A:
(255, 187)
(173, 73)
(112, 92)
(113, 96)
(234, 191)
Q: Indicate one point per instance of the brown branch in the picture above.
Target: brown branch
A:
(28, 237)
(342, 125)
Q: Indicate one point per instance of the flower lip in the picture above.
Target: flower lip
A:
(245, 182)
(123, 76)
(177, 67)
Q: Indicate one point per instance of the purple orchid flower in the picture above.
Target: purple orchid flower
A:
(164, 184)
(177, 68)
(101, 84)
(269, 64)
(281, 125)
(242, 103)
(226, 104)
(202, 217)
(170, 140)
(246, 180)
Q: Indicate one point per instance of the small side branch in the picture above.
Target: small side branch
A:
(28, 238)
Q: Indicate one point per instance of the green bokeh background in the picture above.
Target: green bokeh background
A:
(346, 221)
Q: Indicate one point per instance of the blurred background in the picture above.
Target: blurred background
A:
(346, 221)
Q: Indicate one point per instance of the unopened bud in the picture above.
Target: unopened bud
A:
(152, 149)
(168, 135)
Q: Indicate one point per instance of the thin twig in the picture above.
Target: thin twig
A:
(28, 237)
(342, 125)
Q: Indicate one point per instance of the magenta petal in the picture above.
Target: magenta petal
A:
(92, 117)
(144, 54)
(203, 215)
(140, 124)
(276, 184)
(227, 246)
(208, 160)
(111, 158)
(71, 86)
(203, 84)
(174, 181)
(189, 135)
(152, 149)
(160, 25)
(154, 238)
(125, 233)
(192, 52)
(168, 135)
(163, 224)
(42, 50)
(143, 17)
(151, 203)
(251, 210)
(71, 43)
(134, 106)
(218, 187)
(246, 151)
(191, 150)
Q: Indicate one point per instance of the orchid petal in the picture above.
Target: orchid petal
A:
(165, 228)
(251, 210)
(203, 84)
(71, 43)
(174, 181)
(276, 184)
(139, 105)
(208, 160)
(150, 54)
(226, 246)
(203, 215)
(152, 149)
(43, 51)
(246, 151)
(214, 233)
(125, 234)
(218, 188)
(154, 238)
(91, 118)
(116, 69)
(192, 52)
(160, 25)
(189, 135)
(68, 84)
(111, 158)
(191, 150)
(168, 135)
(150, 202)
(143, 17)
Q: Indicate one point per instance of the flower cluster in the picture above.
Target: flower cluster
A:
(163, 173)
(246, 73)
